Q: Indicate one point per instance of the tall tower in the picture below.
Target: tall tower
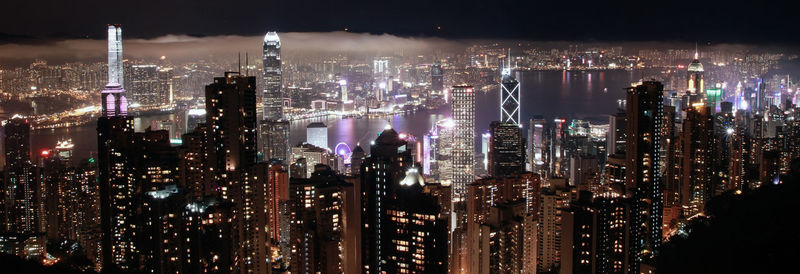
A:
(509, 97)
(117, 182)
(273, 97)
(463, 153)
(114, 101)
(274, 141)
(696, 86)
(643, 179)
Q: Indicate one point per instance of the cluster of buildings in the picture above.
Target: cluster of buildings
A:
(235, 197)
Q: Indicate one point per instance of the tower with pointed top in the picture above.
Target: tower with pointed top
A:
(509, 96)
(695, 87)
(274, 129)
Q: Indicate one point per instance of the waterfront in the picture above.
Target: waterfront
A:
(572, 94)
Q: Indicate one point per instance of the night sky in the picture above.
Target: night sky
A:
(732, 21)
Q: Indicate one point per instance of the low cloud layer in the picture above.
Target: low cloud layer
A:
(185, 48)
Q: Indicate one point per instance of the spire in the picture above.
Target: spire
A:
(696, 54)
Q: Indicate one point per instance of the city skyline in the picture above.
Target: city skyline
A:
(395, 154)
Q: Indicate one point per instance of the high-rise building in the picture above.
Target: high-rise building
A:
(317, 134)
(643, 159)
(274, 141)
(381, 173)
(231, 168)
(414, 235)
(506, 149)
(115, 164)
(537, 149)
(318, 222)
(696, 86)
(697, 146)
(553, 201)
(278, 209)
(272, 95)
(463, 152)
(509, 98)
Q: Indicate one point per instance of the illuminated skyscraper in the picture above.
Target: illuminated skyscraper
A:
(23, 191)
(115, 71)
(318, 222)
(509, 98)
(506, 149)
(697, 147)
(463, 153)
(117, 182)
(273, 96)
(274, 129)
(643, 179)
(114, 102)
(696, 87)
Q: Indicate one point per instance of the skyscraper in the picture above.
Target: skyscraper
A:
(274, 141)
(643, 179)
(697, 146)
(115, 164)
(696, 86)
(509, 98)
(318, 222)
(506, 149)
(463, 152)
(273, 96)
(381, 173)
(24, 193)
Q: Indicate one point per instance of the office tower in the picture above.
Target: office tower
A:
(509, 98)
(381, 78)
(552, 200)
(272, 95)
(697, 146)
(643, 159)
(440, 158)
(416, 238)
(275, 141)
(317, 134)
(502, 240)
(381, 173)
(115, 164)
(463, 152)
(616, 133)
(318, 222)
(537, 150)
(437, 78)
(506, 149)
(231, 164)
(696, 87)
